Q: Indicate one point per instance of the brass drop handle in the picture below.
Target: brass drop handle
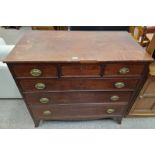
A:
(35, 72)
(124, 70)
(47, 112)
(119, 84)
(44, 100)
(109, 111)
(40, 86)
(114, 98)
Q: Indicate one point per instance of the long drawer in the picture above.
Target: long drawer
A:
(77, 84)
(82, 111)
(76, 97)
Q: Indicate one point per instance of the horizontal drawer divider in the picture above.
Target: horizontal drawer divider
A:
(122, 76)
(59, 91)
(84, 77)
(81, 117)
(37, 78)
(83, 104)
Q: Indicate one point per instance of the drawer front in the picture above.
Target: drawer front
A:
(34, 70)
(123, 69)
(80, 70)
(77, 84)
(75, 111)
(77, 97)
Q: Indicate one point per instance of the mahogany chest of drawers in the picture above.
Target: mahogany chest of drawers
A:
(78, 75)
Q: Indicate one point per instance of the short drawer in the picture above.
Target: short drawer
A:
(123, 68)
(77, 84)
(34, 70)
(76, 97)
(80, 70)
(83, 111)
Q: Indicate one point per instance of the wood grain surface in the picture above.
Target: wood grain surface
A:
(77, 112)
(68, 46)
(76, 97)
(78, 73)
(78, 84)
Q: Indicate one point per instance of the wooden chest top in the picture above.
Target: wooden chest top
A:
(69, 46)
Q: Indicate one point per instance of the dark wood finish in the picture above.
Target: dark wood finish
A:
(23, 70)
(79, 70)
(77, 112)
(134, 68)
(77, 84)
(35, 120)
(62, 46)
(139, 87)
(77, 97)
(118, 119)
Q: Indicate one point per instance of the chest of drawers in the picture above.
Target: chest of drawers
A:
(78, 75)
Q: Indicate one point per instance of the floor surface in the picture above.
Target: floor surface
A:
(12, 36)
(14, 115)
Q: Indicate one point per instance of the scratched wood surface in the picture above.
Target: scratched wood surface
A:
(68, 46)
